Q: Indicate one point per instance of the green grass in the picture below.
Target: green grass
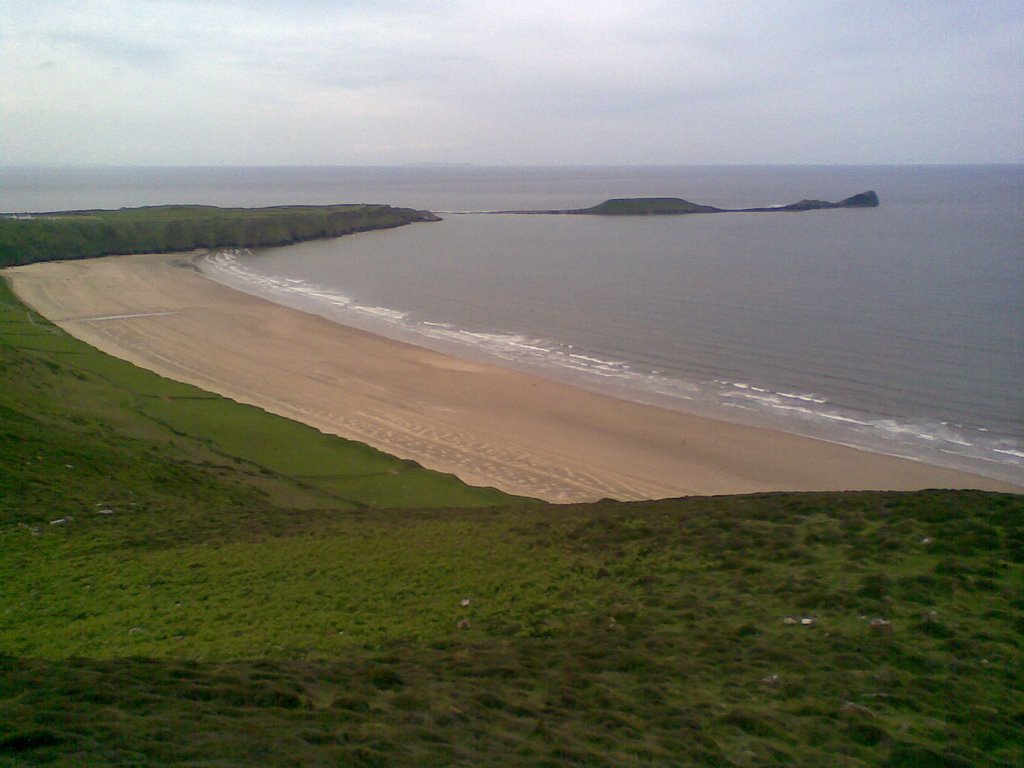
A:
(78, 421)
(160, 229)
(254, 605)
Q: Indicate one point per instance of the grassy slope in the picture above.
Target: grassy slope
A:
(159, 229)
(244, 606)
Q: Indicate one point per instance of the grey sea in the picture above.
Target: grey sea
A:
(898, 329)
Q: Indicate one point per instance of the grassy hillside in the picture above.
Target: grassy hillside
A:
(98, 429)
(172, 593)
(159, 229)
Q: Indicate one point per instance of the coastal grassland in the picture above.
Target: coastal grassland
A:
(78, 420)
(162, 229)
(211, 599)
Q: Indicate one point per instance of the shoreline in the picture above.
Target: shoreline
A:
(487, 424)
(741, 401)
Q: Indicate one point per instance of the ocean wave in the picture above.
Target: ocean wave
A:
(1019, 454)
(808, 413)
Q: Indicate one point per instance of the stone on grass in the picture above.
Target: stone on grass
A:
(464, 624)
(881, 626)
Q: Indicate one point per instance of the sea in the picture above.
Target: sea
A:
(898, 329)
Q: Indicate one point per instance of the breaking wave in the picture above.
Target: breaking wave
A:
(960, 446)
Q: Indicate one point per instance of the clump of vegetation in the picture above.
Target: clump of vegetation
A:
(166, 228)
(172, 594)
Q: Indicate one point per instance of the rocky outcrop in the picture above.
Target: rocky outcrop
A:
(867, 199)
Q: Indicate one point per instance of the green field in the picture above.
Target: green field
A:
(189, 581)
(166, 228)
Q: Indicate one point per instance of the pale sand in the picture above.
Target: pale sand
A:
(488, 425)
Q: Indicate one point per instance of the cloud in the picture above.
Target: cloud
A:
(647, 81)
(115, 48)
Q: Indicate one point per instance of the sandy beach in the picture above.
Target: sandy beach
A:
(487, 424)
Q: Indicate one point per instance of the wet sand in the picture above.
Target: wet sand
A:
(487, 424)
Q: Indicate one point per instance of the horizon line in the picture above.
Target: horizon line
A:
(455, 164)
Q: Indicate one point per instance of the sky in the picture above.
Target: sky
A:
(510, 82)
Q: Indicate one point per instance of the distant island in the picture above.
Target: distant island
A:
(675, 206)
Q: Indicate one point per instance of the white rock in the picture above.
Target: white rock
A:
(881, 626)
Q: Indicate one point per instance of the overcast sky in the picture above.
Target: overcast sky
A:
(318, 82)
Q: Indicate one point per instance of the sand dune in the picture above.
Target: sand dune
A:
(487, 424)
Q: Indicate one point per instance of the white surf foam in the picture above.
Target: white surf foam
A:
(807, 413)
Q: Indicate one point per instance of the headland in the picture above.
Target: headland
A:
(30, 237)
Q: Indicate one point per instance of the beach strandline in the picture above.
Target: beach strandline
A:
(487, 424)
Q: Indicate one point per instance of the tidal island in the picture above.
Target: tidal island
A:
(675, 206)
